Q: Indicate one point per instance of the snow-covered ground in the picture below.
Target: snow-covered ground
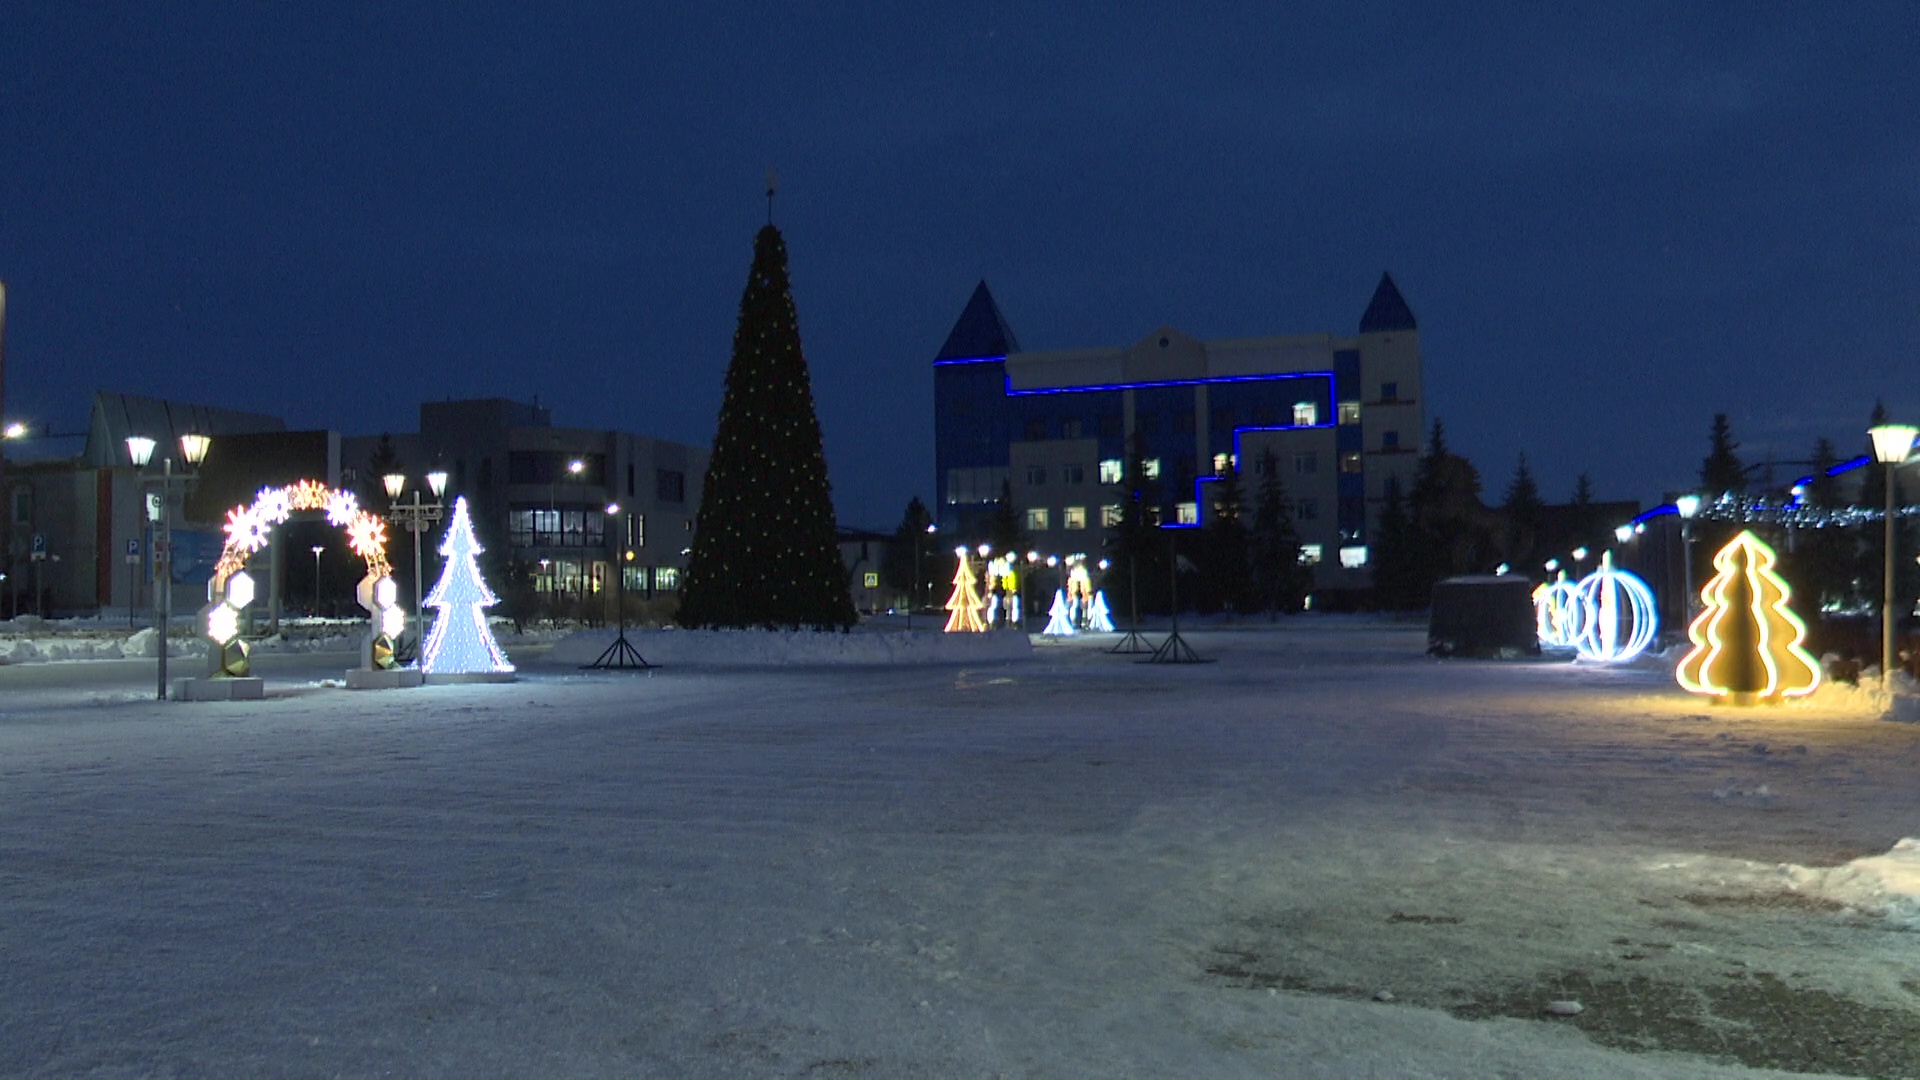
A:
(1324, 854)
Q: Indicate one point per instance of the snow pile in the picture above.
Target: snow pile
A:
(1887, 885)
(797, 648)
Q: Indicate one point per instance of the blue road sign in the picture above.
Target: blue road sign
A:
(39, 546)
(133, 548)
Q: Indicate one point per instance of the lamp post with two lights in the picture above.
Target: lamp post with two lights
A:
(193, 450)
(416, 517)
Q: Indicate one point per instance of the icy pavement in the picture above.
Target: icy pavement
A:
(1323, 855)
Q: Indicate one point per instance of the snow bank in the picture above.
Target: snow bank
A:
(796, 648)
(1887, 885)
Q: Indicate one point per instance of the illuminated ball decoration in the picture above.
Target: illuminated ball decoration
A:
(1558, 614)
(1618, 619)
(1747, 641)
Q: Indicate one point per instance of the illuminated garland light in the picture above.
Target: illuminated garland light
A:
(1747, 643)
(250, 528)
(1059, 617)
(965, 602)
(461, 643)
(1618, 618)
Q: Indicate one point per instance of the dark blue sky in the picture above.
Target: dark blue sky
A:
(1612, 221)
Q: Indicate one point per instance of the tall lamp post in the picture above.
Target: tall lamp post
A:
(1891, 445)
(913, 593)
(317, 549)
(193, 450)
(1687, 505)
(621, 654)
(416, 517)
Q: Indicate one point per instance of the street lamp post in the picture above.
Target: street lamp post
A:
(913, 591)
(317, 549)
(1891, 445)
(621, 654)
(416, 517)
(193, 449)
(1687, 505)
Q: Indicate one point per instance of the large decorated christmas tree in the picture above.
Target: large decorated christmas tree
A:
(765, 551)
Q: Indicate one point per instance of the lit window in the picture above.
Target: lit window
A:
(1110, 471)
(666, 578)
(1306, 461)
(1110, 515)
(1037, 519)
(1073, 517)
(1151, 467)
(1305, 413)
(1188, 513)
(1219, 464)
(1349, 412)
(1036, 475)
(1350, 462)
(1310, 554)
(1353, 557)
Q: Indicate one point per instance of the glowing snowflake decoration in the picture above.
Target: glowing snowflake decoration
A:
(367, 535)
(273, 505)
(311, 495)
(341, 507)
(247, 531)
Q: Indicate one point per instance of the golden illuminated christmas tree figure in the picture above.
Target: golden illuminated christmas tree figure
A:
(965, 603)
(1747, 643)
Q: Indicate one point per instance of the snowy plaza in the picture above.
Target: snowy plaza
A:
(1323, 854)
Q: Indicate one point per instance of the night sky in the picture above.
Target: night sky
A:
(1611, 221)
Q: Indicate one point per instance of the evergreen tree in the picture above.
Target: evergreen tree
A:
(1226, 552)
(897, 567)
(1279, 582)
(1006, 532)
(1138, 551)
(1522, 509)
(765, 546)
(1821, 562)
(1450, 525)
(1584, 519)
(1401, 575)
(1722, 472)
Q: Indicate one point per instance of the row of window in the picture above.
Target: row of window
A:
(1225, 420)
(1040, 518)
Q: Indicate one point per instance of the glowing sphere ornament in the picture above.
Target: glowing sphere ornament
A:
(1558, 613)
(1618, 619)
(1747, 641)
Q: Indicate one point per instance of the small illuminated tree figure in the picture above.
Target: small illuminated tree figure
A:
(965, 603)
(1099, 620)
(1746, 644)
(1060, 617)
(461, 642)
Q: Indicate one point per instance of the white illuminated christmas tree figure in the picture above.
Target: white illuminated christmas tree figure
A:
(1059, 622)
(461, 643)
(1098, 620)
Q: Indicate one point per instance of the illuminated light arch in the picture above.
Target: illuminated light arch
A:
(250, 527)
(1747, 642)
(1618, 618)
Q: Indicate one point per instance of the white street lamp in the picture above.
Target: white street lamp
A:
(1687, 505)
(193, 450)
(1891, 445)
(416, 517)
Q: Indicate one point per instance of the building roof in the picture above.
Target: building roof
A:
(116, 416)
(1388, 310)
(980, 330)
